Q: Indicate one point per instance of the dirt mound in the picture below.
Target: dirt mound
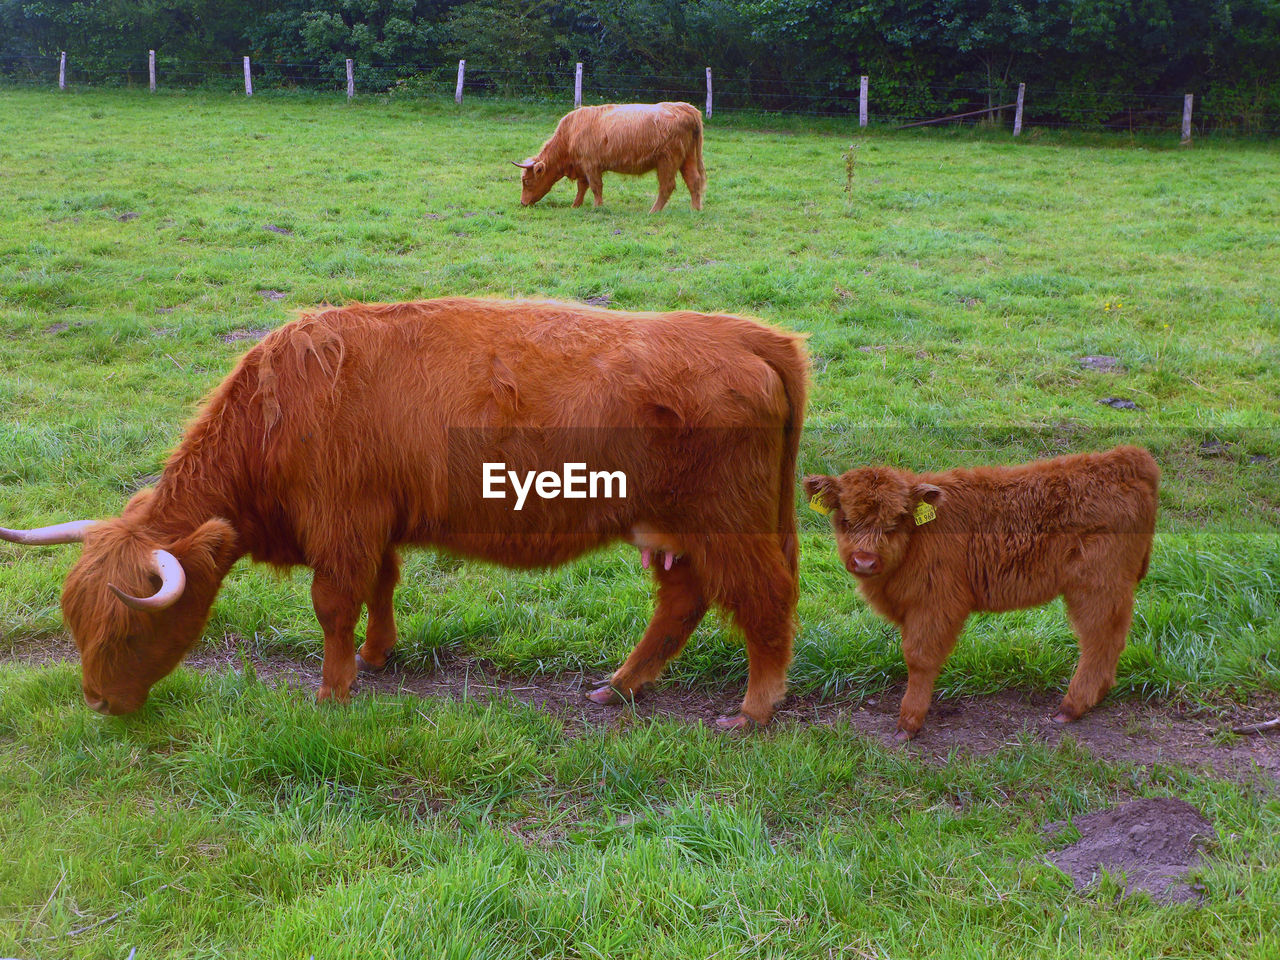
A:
(1152, 842)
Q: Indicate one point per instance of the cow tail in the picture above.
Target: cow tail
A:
(786, 355)
(1146, 563)
(697, 149)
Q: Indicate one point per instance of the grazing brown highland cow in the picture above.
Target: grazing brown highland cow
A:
(629, 138)
(929, 549)
(351, 432)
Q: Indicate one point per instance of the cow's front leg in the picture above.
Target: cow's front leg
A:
(337, 609)
(927, 639)
(582, 192)
(596, 182)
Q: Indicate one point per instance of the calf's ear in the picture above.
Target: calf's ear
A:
(822, 491)
(927, 493)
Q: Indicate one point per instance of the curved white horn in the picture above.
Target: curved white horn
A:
(523, 166)
(173, 580)
(72, 532)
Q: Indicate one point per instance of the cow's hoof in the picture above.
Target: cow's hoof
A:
(738, 723)
(1063, 717)
(328, 694)
(364, 666)
(902, 736)
(606, 696)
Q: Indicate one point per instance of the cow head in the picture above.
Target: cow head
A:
(535, 180)
(136, 601)
(873, 514)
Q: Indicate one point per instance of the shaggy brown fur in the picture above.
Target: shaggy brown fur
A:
(629, 138)
(351, 432)
(1004, 538)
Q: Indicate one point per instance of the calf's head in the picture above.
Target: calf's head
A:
(536, 179)
(873, 513)
(136, 601)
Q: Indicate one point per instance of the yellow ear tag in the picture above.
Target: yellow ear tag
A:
(925, 512)
(816, 505)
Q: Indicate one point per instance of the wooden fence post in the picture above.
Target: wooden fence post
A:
(1017, 113)
(863, 86)
(151, 68)
(708, 92)
(351, 79)
(462, 69)
(248, 79)
(577, 87)
(62, 71)
(1186, 118)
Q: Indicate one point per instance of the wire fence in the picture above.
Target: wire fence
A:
(890, 101)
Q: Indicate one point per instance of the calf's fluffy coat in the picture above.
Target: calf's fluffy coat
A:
(929, 549)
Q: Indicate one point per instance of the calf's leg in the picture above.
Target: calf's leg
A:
(380, 636)
(1101, 617)
(927, 640)
(337, 608)
(679, 609)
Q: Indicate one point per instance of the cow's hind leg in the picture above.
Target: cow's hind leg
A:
(695, 178)
(679, 609)
(666, 186)
(380, 636)
(1101, 617)
(337, 608)
(757, 587)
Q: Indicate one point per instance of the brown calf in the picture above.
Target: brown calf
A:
(629, 138)
(929, 549)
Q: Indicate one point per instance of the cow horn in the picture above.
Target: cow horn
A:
(522, 166)
(72, 532)
(173, 580)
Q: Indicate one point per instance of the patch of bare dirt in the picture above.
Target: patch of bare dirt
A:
(1153, 842)
(1102, 363)
(272, 294)
(1118, 731)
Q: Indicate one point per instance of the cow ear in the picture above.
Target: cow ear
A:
(823, 492)
(211, 545)
(927, 493)
(539, 168)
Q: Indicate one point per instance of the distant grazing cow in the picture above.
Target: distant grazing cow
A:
(351, 432)
(929, 549)
(620, 138)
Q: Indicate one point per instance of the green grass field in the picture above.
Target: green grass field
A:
(950, 283)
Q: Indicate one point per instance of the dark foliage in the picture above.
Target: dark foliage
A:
(1115, 62)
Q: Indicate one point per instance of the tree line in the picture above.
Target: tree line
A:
(1075, 53)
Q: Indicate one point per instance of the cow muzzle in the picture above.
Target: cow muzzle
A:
(862, 564)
